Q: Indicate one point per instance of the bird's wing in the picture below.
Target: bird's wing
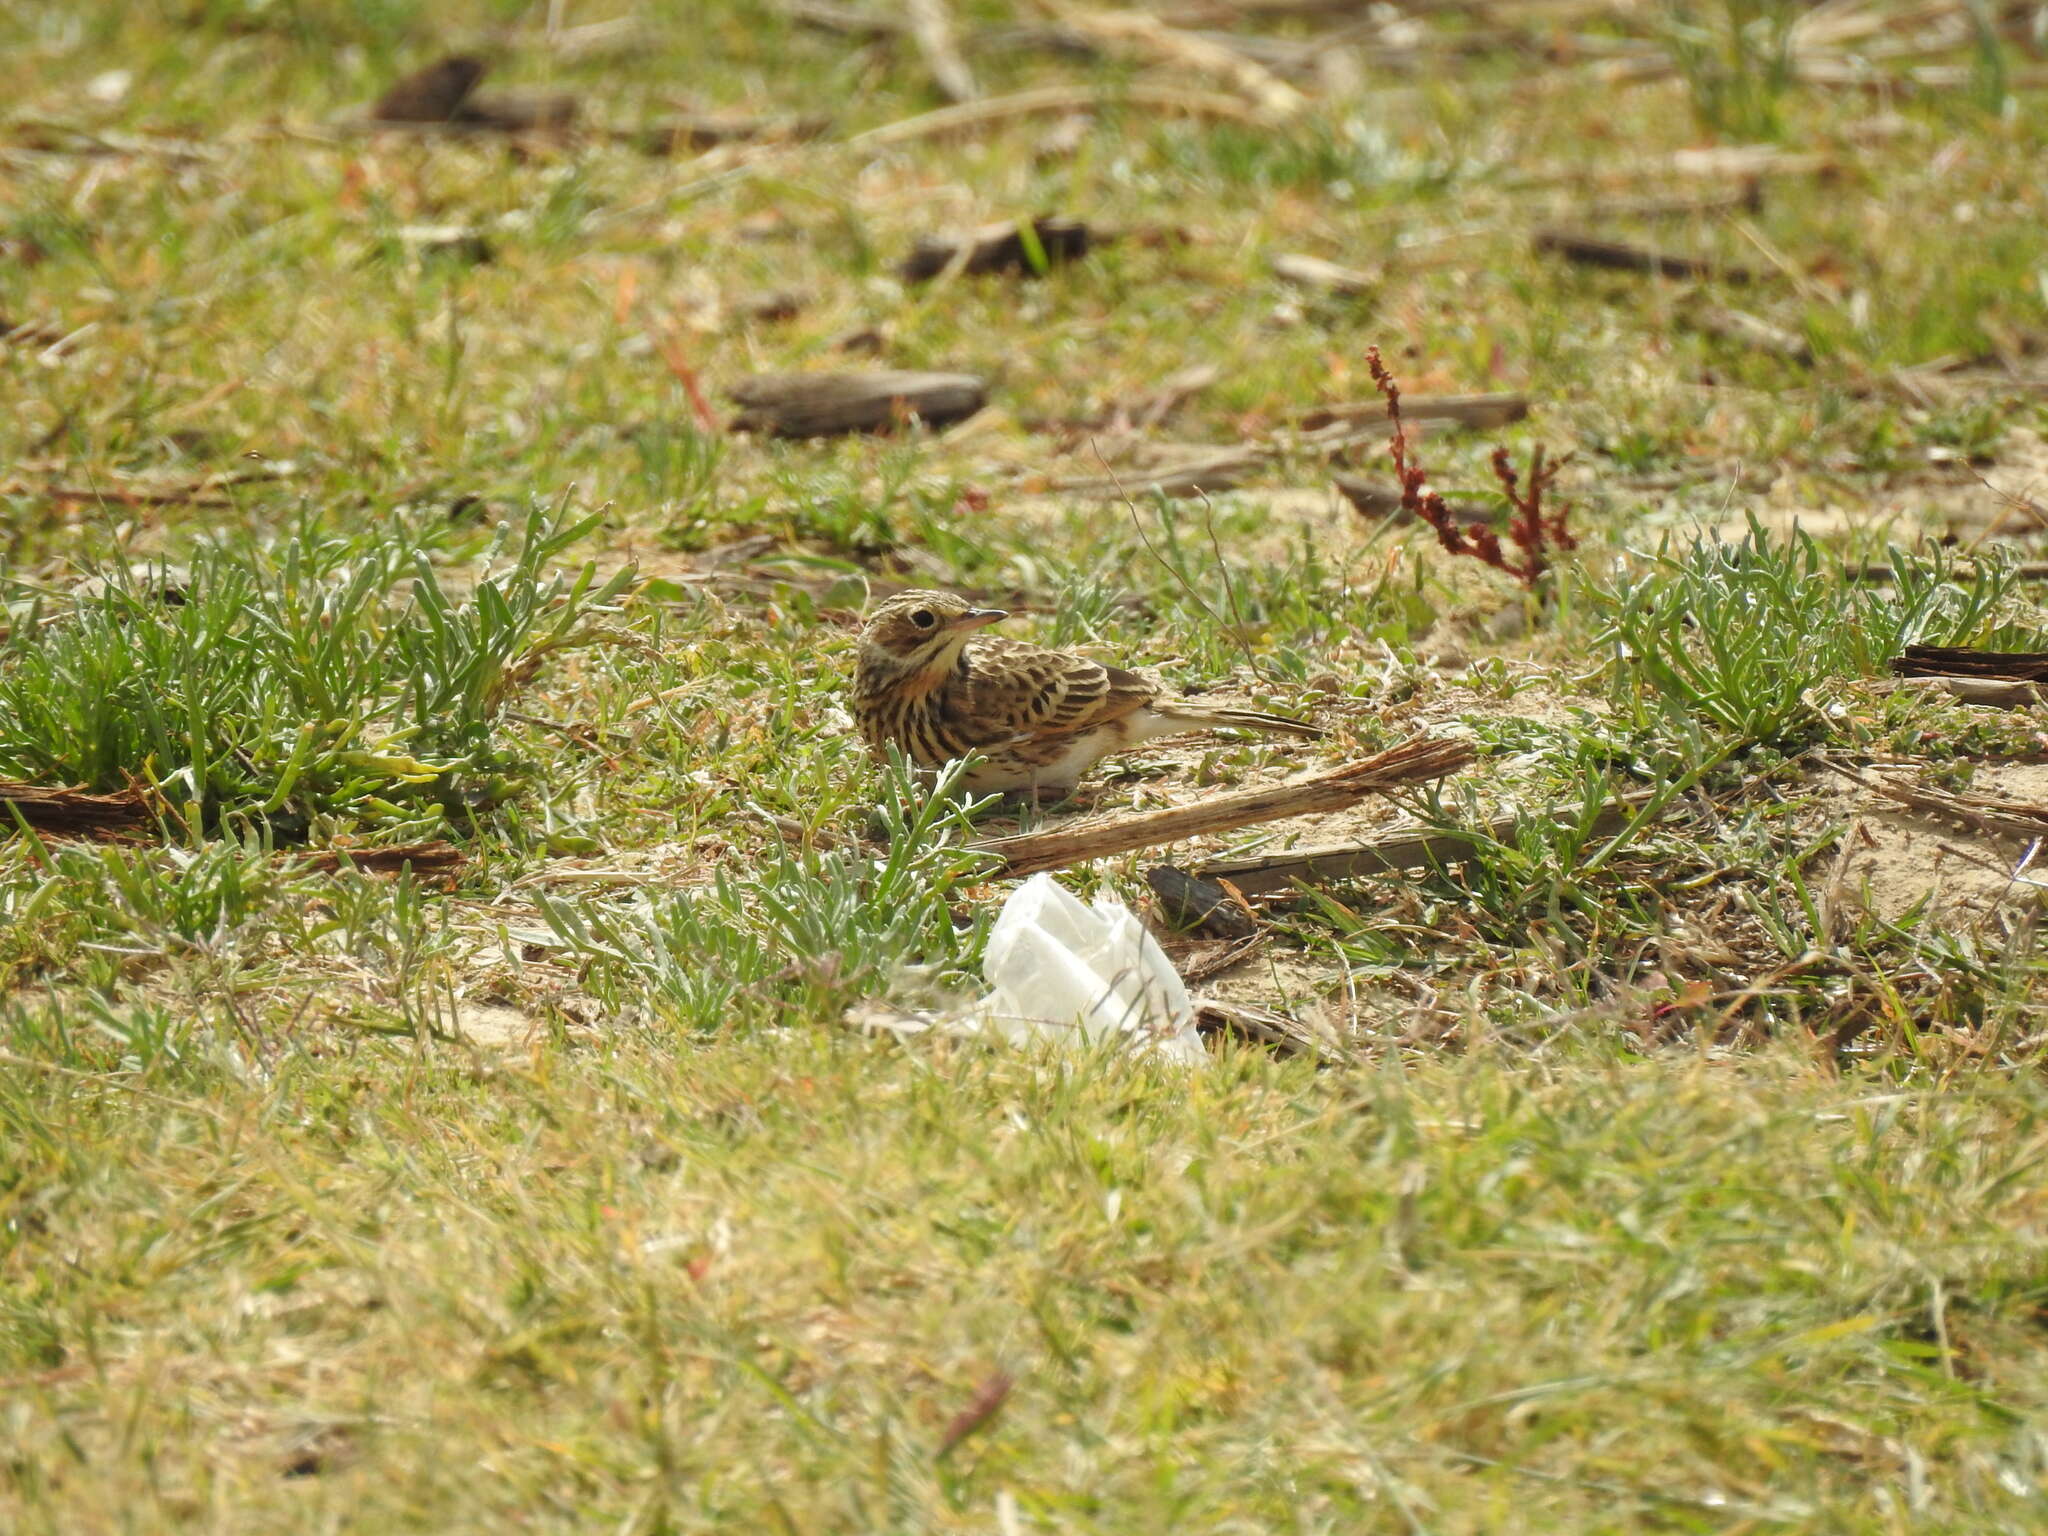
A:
(1023, 692)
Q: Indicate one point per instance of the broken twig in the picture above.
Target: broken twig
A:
(1415, 761)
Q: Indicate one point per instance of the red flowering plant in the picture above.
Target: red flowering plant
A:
(1534, 532)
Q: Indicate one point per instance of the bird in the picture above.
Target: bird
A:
(931, 683)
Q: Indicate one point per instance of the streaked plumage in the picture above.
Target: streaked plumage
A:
(928, 681)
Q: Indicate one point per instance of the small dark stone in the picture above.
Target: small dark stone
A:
(1198, 906)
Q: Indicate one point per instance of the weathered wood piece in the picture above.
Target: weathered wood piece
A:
(1966, 661)
(999, 248)
(1620, 256)
(73, 812)
(1998, 679)
(1386, 855)
(873, 400)
(1415, 761)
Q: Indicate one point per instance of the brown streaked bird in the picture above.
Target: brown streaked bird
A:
(930, 682)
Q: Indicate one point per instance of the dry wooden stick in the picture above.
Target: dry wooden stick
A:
(1415, 761)
(1384, 855)
(1969, 661)
(73, 812)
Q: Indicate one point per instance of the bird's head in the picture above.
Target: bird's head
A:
(921, 631)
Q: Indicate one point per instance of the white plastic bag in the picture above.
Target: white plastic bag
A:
(1060, 969)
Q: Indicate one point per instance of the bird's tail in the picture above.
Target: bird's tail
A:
(1207, 717)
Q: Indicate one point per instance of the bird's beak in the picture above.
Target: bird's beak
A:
(979, 618)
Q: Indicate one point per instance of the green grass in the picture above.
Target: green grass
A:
(1671, 1185)
(297, 690)
(678, 1289)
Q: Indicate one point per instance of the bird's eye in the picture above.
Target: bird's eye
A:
(923, 618)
